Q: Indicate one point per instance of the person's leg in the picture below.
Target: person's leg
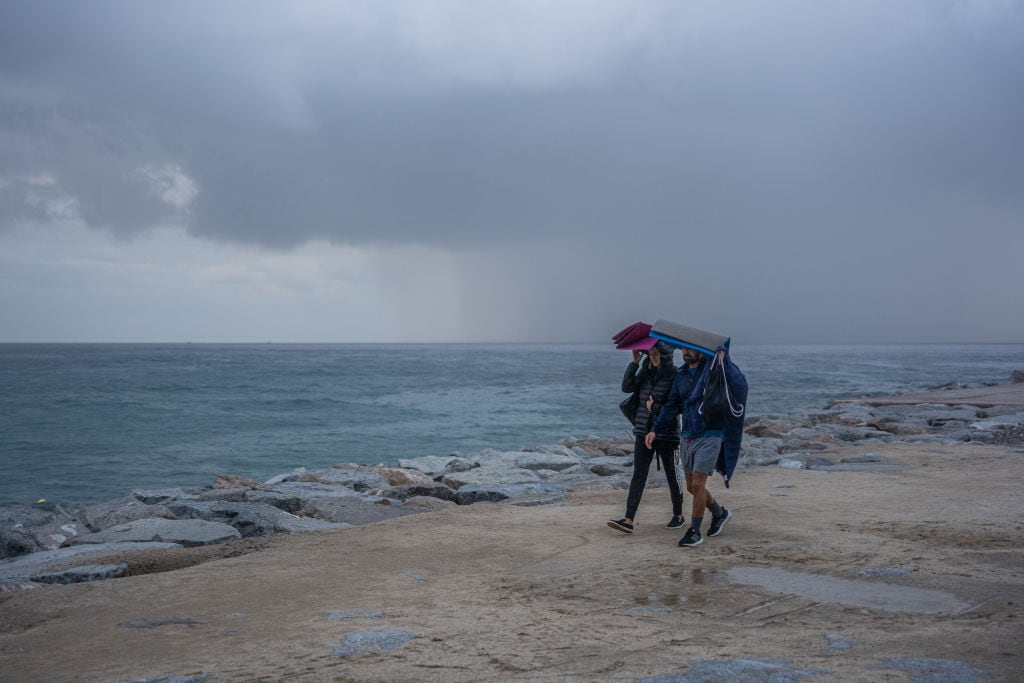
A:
(642, 456)
(703, 456)
(666, 451)
(701, 497)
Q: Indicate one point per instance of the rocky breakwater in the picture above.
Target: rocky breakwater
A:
(41, 542)
(50, 543)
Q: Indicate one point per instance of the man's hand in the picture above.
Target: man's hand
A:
(721, 355)
(649, 440)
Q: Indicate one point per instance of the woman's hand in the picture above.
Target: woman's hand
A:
(636, 356)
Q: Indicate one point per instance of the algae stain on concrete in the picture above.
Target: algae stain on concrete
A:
(869, 594)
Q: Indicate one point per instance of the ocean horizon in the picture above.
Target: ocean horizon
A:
(84, 422)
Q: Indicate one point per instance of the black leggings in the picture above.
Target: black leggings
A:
(642, 457)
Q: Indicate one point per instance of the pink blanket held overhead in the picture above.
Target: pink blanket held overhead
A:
(635, 337)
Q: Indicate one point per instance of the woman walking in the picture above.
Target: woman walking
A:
(652, 381)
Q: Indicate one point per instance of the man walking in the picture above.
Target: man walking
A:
(708, 444)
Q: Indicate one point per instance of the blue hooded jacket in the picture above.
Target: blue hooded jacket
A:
(686, 397)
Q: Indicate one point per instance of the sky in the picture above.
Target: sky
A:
(784, 171)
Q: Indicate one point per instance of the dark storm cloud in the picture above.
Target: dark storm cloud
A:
(348, 129)
(804, 157)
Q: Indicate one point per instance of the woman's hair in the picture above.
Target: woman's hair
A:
(666, 350)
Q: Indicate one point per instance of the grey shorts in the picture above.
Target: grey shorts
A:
(700, 455)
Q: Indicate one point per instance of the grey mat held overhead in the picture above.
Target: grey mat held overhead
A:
(688, 337)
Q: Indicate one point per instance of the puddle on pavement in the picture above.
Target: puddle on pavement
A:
(694, 576)
(870, 594)
(679, 581)
(670, 600)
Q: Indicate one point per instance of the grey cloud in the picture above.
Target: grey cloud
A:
(805, 145)
(289, 136)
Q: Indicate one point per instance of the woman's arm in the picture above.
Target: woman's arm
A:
(632, 379)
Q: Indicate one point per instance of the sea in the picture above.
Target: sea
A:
(82, 423)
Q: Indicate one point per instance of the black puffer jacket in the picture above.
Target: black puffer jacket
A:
(648, 380)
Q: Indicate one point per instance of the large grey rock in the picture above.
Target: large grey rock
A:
(355, 511)
(835, 433)
(583, 466)
(286, 476)
(555, 449)
(997, 411)
(529, 495)
(435, 490)
(288, 501)
(428, 503)
(899, 426)
(100, 516)
(855, 434)
(435, 465)
(860, 459)
(769, 427)
(187, 532)
(459, 465)
(591, 482)
(488, 476)
(302, 491)
(403, 476)
(926, 411)
(15, 542)
(353, 476)
(250, 519)
(606, 469)
(235, 481)
(759, 452)
(492, 459)
(39, 526)
(596, 445)
(468, 495)
(584, 453)
(545, 461)
(850, 414)
(999, 422)
(28, 516)
(801, 446)
(158, 496)
(89, 572)
(762, 443)
(938, 416)
(237, 495)
(614, 460)
(928, 439)
(21, 569)
(983, 436)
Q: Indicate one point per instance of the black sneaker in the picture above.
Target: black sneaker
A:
(622, 525)
(691, 538)
(718, 522)
(675, 523)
